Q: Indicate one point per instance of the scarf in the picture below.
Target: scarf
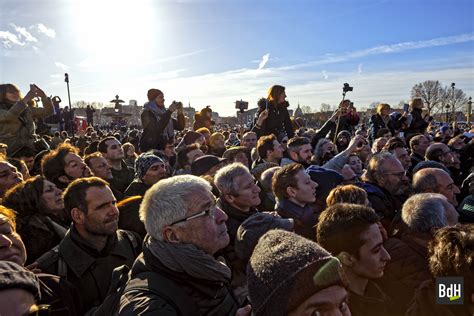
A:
(188, 259)
(159, 111)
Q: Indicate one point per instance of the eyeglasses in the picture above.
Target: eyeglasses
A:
(211, 212)
(398, 174)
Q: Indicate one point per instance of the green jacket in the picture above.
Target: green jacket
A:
(17, 126)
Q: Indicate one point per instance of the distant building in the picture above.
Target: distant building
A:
(298, 111)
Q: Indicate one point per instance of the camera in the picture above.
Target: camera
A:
(347, 87)
(241, 105)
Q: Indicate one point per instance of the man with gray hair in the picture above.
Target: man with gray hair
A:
(383, 181)
(177, 272)
(422, 214)
(434, 180)
(240, 196)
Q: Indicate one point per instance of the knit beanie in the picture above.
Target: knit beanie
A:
(13, 276)
(144, 162)
(153, 93)
(286, 269)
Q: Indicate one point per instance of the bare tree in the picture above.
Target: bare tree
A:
(306, 109)
(457, 98)
(373, 105)
(325, 107)
(432, 94)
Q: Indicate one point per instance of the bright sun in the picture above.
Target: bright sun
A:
(114, 32)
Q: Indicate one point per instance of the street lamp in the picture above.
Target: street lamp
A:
(469, 108)
(453, 101)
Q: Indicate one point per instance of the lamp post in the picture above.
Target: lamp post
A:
(453, 102)
(469, 108)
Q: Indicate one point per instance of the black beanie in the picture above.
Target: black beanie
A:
(13, 276)
(286, 269)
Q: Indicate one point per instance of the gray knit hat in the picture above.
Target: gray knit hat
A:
(144, 162)
(13, 276)
(286, 269)
(254, 227)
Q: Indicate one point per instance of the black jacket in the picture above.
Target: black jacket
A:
(277, 122)
(86, 268)
(152, 136)
(213, 297)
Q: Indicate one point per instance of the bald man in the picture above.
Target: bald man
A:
(434, 180)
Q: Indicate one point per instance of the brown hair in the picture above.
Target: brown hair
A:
(347, 194)
(285, 177)
(26, 197)
(451, 252)
(274, 93)
(8, 87)
(340, 227)
(264, 144)
(75, 194)
(52, 164)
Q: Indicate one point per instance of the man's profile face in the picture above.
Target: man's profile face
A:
(102, 212)
(446, 186)
(329, 301)
(277, 152)
(100, 168)
(208, 233)
(306, 188)
(372, 255)
(248, 194)
(114, 150)
(304, 154)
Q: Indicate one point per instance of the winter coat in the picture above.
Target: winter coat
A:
(184, 292)
(90, 271)
(153, 129)
(406, 270)
(277, 122)
(377, 122)
(17, 126)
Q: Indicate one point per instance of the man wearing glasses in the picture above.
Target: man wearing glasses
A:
(177, 272)
(384, 181)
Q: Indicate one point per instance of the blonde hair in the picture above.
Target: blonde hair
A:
(382, 106)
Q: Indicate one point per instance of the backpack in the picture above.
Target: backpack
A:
(147, 281)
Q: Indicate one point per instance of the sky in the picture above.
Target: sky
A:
(204, 52)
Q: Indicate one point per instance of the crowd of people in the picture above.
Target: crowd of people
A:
(352, 218)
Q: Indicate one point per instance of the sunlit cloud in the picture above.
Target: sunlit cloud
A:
(9, 39)
(46, 30)
(24, 33)
(384, 49)
(264, 61)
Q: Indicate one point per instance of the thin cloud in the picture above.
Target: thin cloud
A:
(264, 61)
(46, 30)
(325, 74)
(384, 49)
(359, 69)
(24, 33)
(61, 66)
(8, 39)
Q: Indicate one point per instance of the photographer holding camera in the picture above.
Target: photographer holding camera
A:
(158, 125)
(17, 115)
